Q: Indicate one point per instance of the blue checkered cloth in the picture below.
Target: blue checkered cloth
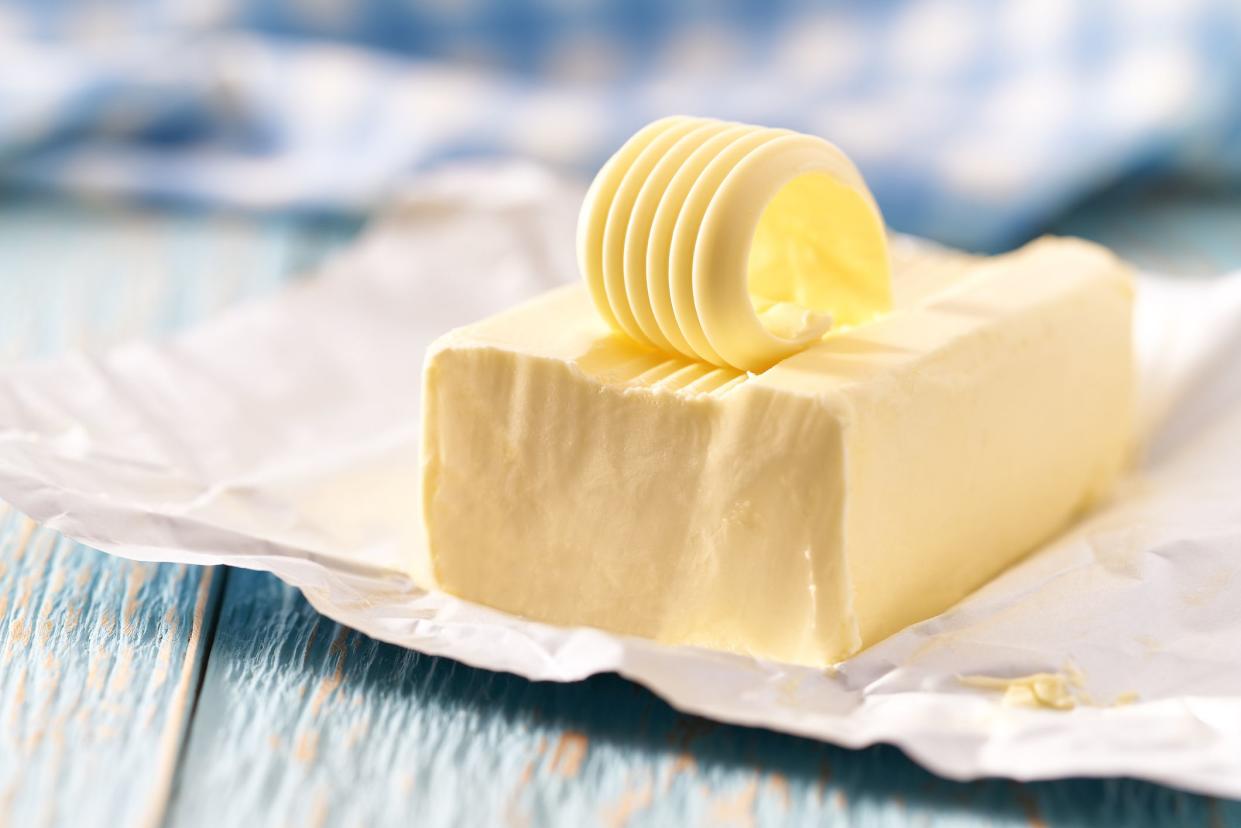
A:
(974, 122)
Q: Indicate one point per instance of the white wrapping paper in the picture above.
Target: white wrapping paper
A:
(283, 436)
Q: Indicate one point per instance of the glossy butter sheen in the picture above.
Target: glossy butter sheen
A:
(799, 514)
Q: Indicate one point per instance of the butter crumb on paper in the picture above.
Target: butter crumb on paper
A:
(1037, 690)
(1063, 690)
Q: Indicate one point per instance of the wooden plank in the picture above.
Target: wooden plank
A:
(98, 666)
(100, 657)
(303, 722)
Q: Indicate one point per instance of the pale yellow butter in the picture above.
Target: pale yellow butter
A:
(865, 483)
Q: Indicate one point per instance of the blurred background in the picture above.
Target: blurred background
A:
(976, 122)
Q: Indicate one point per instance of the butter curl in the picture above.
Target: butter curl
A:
(731, 244)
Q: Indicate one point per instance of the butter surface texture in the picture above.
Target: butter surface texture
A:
(798, 514)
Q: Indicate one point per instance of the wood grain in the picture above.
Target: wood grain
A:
(304, 722)
(98, 667)
(100, 657)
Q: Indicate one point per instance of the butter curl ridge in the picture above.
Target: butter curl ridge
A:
(731, 244)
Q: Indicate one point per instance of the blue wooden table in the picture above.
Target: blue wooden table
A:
(144, 694)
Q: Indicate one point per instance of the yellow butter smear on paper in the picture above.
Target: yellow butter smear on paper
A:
(1062, 690)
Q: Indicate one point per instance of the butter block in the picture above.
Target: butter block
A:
(798, 514)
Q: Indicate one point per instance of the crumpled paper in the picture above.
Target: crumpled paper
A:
(283, 436)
